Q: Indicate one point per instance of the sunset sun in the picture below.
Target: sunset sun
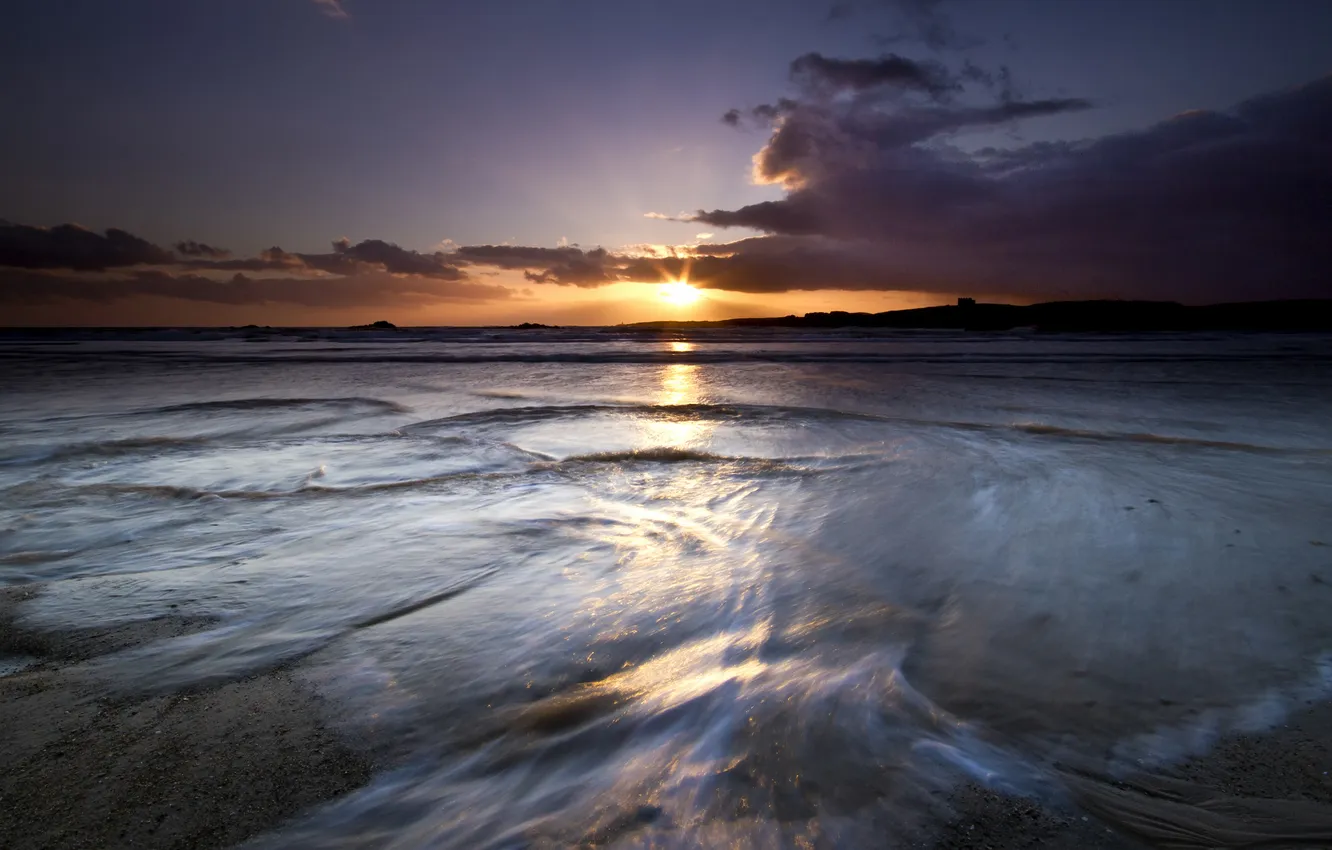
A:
(679, 293)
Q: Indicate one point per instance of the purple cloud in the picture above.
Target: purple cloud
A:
(1205, 206)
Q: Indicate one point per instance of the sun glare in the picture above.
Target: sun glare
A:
(679, 293)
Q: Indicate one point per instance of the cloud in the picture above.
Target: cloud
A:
(818, 73)
(763, 115)
(564, 265)
(1205, 206)
(270, 259)
(33, 287)
(332, 8)
(190, 248)
(397, 260)
(682, 216)
(594, 267)
(39, 264)
(346, 258)
(817, 141)
(70, 246)
(849, 111)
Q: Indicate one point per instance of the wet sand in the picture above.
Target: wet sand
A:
(205, 769)
(1246, 792)
(214, 767)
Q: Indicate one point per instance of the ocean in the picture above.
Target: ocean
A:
(712, 588)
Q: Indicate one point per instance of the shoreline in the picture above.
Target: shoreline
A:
(217, 766)
(206, 768)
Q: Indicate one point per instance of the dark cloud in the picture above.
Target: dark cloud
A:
(998, 81)
(779, 264)
(848, 110)
(40, 264)
(770, 112)
(1205, 206)
(391, 258)
(763, 115)
(818, 73)
(521, 256)
(271, 259)
(190, 248)
(345, 259)
(72, 247)
(68, 262)
(32, 287)
(567, 265)
(816, 140)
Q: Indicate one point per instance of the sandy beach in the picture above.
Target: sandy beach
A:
(214, 767)
(201, 769)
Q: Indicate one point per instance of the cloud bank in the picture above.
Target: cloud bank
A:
(1204, 206)
(72, 247)
(69, 262)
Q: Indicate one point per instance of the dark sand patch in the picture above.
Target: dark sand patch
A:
(74, 645)
(986, 819)
(202, 769)
(1272, 789)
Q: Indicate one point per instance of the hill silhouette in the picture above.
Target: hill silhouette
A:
(1303, 315)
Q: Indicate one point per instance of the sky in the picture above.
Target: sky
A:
(330, 162)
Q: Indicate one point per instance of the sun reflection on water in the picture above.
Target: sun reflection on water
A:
(681, 386)
(685, 539)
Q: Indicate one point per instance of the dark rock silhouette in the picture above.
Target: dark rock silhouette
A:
(1062, 316)
(377, 326)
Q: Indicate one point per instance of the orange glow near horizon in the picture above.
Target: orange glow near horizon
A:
(532, 302)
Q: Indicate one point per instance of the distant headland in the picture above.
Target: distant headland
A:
(382, 325)
(1055, 316)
